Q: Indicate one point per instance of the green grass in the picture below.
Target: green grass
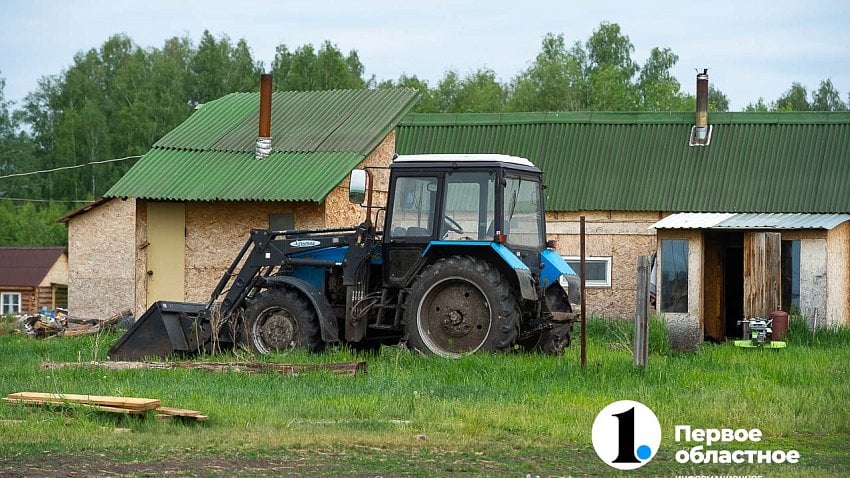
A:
(511, 414)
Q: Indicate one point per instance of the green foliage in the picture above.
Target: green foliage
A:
(796, 98)
(218, 68)
(827, 98)
(24, 224)
(556, 81)
(306, 69)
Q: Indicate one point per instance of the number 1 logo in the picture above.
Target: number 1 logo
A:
(615, 439)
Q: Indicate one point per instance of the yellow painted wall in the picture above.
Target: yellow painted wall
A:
(166, 251)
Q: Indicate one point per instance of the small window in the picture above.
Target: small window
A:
(674, 275)
(597, 270)
(282, 221)
(10, 303)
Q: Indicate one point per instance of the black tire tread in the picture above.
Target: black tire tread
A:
(296, 303)
(488, 278)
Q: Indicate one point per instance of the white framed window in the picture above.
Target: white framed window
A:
(597, 270)
(10, 303)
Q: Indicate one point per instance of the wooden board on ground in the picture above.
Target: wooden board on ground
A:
(129, 403)
(169, 412)
(126, 405)
(344, 368)
(101, 408)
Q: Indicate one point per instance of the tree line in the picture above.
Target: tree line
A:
(117, 100)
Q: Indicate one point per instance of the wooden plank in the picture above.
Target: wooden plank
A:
(102, 408)
(163, 412)
(762, 273)
(345, 368)
(130, 403)
(178, 411)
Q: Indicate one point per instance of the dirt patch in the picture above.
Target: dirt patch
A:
(100, 465)
(357, 461)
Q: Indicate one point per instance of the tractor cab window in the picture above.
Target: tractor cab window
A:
(522, 212)
(470, 206)
(413, 207)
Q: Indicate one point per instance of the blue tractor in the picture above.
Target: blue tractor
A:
(460, 265)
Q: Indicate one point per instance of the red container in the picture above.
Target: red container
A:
(779, 325)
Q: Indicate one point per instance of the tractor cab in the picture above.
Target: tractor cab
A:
(449, 201)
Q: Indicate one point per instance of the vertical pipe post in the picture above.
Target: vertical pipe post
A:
(264, 139)
(641, 345)
(701, 120)
(583, 294)
(265, 106)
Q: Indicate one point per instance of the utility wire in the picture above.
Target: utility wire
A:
(68, 167)
(47, 200)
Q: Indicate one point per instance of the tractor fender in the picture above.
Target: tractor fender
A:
(486, 248)
(327, 318)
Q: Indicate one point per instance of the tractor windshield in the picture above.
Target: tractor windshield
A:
(522, 212)
(470, 206)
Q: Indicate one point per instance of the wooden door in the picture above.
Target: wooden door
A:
(166, 251)
(762, 273)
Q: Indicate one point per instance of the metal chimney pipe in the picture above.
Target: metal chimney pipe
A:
(264, 140)
(701, 130)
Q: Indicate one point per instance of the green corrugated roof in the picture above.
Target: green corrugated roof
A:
(317, 138)
(756, 162)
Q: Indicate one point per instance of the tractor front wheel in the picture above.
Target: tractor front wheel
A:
(460, 305)
(280, 320)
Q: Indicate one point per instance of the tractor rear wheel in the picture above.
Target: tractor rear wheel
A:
(280, 320)
(460, 305)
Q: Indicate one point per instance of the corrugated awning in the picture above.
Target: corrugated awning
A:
(690, 220)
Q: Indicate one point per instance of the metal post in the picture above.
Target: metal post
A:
(641, 345)
(583, 295)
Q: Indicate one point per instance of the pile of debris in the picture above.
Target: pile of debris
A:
(58, 322)
(124, 405)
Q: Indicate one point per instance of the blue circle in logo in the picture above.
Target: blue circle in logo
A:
(644, 452)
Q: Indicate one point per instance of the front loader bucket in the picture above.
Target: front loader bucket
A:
(164, 329)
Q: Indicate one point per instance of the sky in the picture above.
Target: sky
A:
(752, 49)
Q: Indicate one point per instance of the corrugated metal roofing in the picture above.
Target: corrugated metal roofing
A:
(317, 138)
(750, 221)
(175, 175)
(692, 220)
(308, 121)
(757, 162)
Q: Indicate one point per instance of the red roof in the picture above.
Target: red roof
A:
(26, 266)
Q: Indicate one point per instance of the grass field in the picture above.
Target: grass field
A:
(492, 415)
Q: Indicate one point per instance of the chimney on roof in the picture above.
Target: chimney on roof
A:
(701, 132)
(264, 136)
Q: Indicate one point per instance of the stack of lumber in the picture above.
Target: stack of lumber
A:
(344, 368)
(125, 405)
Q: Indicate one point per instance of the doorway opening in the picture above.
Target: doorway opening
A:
(723, 279)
